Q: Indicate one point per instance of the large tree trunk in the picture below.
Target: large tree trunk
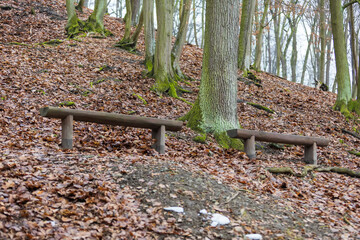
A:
(259, 39)
(163, 71)
(149, 33)
(342, 66)
(181, 35)
(244, 51)
(215, 108)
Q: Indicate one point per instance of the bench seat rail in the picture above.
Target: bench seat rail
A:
(250, 136)
(67, 117)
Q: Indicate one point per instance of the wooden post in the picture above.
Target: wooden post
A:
(159, 135)
(310, 155)
(250, 147)
(67, 132)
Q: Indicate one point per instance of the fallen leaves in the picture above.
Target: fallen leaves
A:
(47, 192)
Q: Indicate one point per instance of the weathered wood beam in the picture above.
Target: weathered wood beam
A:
(159, 135)
(67, 132)
(277, 137)
(111, 118)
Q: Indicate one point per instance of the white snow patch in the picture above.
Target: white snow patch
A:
(175, 209)
(203, 211)
(253, 237)
(218, 219)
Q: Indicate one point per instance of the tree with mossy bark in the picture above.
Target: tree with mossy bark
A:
(342, 66)
(95, 22)
(129, 42)
(215, 110)
(162, 71)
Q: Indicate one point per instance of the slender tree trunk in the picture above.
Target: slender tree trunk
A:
(135, 8)
(322, 42)
(163, 71)
(181, 35)
(342, 66)
(277, 20)
(293, 59)
(259, 40)
(310, 40)
(244, 52)
(127, 20)
(194, 21)
(149, 33)
(202, 23)
(328, 58)
(215, 108)
(136, 34)
(353, 51)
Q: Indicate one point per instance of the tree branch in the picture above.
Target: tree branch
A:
(350, 3)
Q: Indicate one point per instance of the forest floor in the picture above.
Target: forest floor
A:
(112, 185)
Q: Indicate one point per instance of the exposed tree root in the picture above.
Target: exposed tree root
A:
(311, 168)
(258, 106)
(354, 134)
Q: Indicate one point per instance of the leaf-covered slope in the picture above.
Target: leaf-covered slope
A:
(46, 191)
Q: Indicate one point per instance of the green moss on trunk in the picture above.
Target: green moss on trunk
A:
(196, 122)
(341, 105)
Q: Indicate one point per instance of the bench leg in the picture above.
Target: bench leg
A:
(250, 147)
(67, 132)
(159, 135)
(310, 155)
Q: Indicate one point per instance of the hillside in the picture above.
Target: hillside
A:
(112, 185)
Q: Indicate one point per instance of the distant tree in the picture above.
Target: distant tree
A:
(181, 35)
(135, 9)
(259, 36)
(215, 108)
(94, 23)
(322, 41)
(149, 32)
(247, 15)
(129, 42)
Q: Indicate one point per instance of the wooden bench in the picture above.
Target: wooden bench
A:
(250, 136)
(67, 117)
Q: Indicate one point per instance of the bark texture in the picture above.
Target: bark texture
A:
(149, 33)
(342, 66)
(247, 13)
(93, 24)
(180, 38)
(163, 71)
(215, 110)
